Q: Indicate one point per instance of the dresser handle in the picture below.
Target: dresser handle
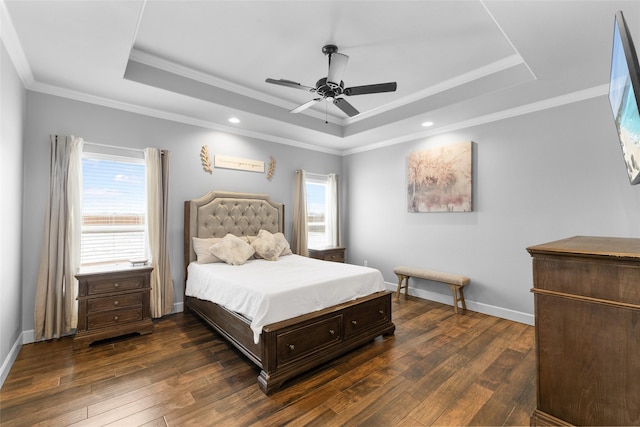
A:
(116, 302)
(292, 347)
(115, 318)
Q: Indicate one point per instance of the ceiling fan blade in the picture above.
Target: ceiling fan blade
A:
(347, 108)
(289, 83)
(305, 105)
(377, 88)
(337, 65)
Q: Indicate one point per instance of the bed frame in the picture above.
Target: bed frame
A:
(292, 346)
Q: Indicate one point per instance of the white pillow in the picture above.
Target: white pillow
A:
(201, 248)
(267, 246)
(232, 250)
(286, 248)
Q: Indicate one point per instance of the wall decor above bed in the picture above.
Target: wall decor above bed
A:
(204, 157)
(237, 163)
(440, 179)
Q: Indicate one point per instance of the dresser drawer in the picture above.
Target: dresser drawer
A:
(115, 284)
(364, 316)
(114, 302)
(114, 317)
(306, 339)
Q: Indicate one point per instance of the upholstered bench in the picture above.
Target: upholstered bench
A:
(456, 282)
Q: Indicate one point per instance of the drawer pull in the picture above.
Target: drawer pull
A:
(354, 323)
(116, 285)
(116, 302)
(115, 318)
(292, 347)
(332, 332)
(381, 311)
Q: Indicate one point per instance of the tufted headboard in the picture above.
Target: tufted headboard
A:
(219, 213)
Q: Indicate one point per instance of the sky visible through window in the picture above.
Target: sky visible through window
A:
(113, 188)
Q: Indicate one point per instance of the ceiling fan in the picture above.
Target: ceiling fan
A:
(332, 87)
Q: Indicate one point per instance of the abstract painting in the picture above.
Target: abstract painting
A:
(439, 179)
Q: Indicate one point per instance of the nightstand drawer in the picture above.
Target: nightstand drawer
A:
(97, 286)
(114, 317)
(111, 303)
(334, 254)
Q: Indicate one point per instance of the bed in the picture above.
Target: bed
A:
(281, 348)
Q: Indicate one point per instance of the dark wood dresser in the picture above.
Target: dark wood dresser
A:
(587, 324)
(333, 253)
(112, 301)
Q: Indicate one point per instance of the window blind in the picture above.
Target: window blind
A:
(113, 209)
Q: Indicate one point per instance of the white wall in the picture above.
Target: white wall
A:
(539, 177)
(53, 115)
(12, 119)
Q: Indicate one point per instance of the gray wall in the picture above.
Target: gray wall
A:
(12, 119)
(538, 177)
(54, 115)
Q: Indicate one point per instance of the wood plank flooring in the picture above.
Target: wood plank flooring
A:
(438, 369)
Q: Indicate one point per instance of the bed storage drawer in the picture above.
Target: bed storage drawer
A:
(365, 316)
(306, 339)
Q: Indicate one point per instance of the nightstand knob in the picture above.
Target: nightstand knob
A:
(116, 302)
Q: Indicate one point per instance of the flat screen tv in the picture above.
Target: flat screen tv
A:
(624, 88)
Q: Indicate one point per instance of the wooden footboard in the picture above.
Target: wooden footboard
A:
(293, 346)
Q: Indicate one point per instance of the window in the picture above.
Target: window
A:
(113, 209)
(321, 211)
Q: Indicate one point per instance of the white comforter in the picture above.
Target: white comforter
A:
(270, 291)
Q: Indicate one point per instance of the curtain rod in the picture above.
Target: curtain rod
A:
(114, 146)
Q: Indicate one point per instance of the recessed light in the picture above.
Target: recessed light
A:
(427, 124)
(234, 120)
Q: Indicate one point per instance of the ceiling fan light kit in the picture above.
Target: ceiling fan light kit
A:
(331, 87)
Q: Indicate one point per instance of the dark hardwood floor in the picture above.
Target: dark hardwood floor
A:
(438, 369)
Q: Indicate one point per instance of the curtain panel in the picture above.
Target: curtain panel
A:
(335, 238)
(157, 170)
(299, 238)
(56, 312)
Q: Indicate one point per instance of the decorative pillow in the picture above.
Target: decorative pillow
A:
(232, 250)
(201, 248)
(267, 246)
(286, 248)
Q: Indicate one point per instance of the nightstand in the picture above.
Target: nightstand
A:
(112, 301)
(334, 253)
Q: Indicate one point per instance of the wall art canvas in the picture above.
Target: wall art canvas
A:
(439, 179)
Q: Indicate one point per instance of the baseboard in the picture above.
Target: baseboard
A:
(28, 337)
(11, 357)
(491, 310)
(178, 307)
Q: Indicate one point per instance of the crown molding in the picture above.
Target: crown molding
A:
(558, 101)
(14, 47)
(160, 114)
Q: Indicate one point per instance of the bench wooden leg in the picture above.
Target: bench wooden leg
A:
(402, 277)
(458, 295)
